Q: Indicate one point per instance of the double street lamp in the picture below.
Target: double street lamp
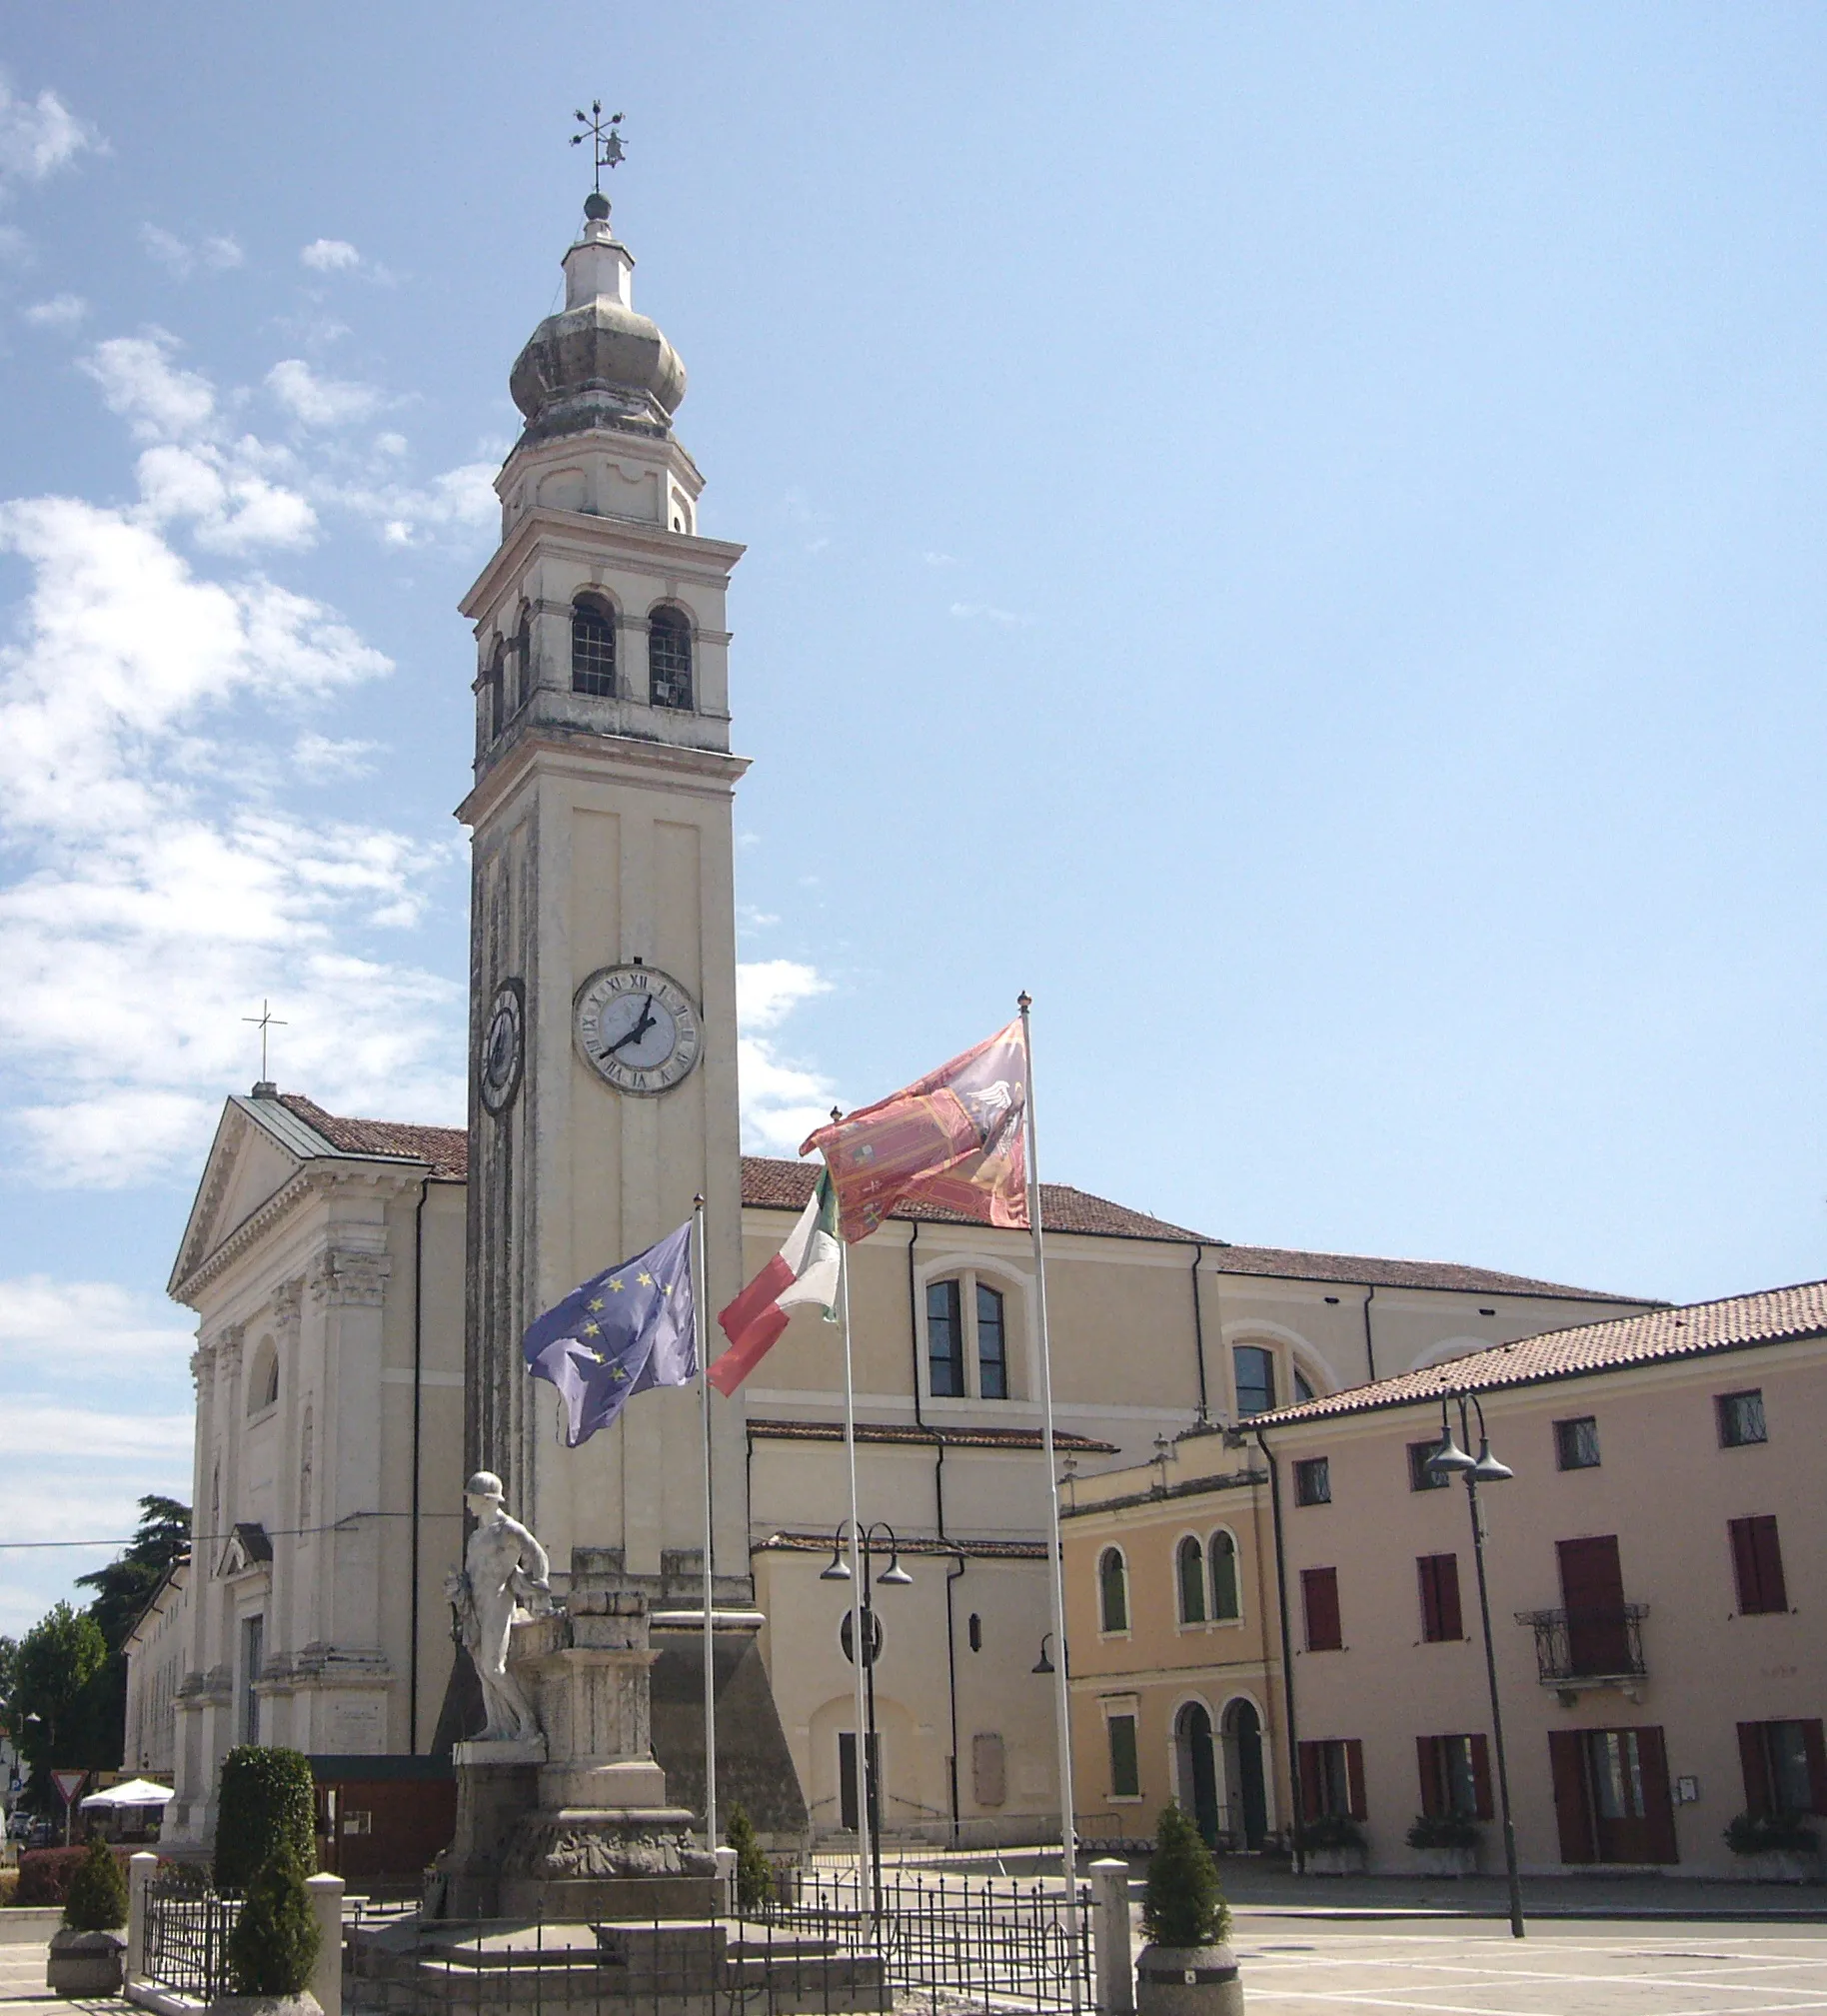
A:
(893, 1577)
(1450, 1460)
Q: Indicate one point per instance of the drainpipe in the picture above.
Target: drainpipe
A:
(914, 1323)
(1287, 1661)
(412, 1679)
(1198, 1333)
(1369, 1289)
(951, 1674)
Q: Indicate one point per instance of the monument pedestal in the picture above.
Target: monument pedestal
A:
(576, 1826)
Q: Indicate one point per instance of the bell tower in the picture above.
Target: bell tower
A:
(602, 924)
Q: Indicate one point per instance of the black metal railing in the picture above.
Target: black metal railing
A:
(1592, 1645)
(187, 1935)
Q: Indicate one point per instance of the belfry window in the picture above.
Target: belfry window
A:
(669, 659)
(593, 651)
(498, 701)
(523, 659)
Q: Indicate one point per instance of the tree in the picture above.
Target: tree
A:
(274, 1944)
(267, 1803)
(1184, 1904)
(122, 1590)
(54, 1699)
(97, 1900)
(754, 1872)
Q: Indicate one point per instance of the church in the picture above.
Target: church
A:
(362, 1286)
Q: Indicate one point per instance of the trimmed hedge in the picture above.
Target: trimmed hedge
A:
(267, 1803)
(44, 1873)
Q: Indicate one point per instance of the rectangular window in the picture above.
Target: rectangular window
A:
(1757, 1561)
(945, 1339)
(1741, 1420)
(1125, 1772)
(1785, 1767)
(1332, 1780)
(992, 1352)
(1576, 1444)
(1456, 1777)
(252, 1656)
(1420, 1477)
(1255, 1376)
(1313, 1482)
(1320, 1605)
(1439, 1579)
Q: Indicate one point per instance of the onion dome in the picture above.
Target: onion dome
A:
(596, 363)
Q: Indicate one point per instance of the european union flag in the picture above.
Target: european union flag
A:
(625, 1330)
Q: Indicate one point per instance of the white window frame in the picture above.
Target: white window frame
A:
(1128, 1591)
(1016, 1355)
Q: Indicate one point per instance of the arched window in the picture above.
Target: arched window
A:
(523, 656)
(669, 659)
(1225, 1607)
(1112, 1591)
(946, 1339)
(498, 699)
(1190, 1560)
(968, 1340)
(1303, 1386)
(592, 650)
(1255, 1379)
(263, 1377)
(992, 1352)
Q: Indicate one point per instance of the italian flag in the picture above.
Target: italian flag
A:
(805, 1270)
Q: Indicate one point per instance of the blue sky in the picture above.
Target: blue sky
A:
(1292, 532)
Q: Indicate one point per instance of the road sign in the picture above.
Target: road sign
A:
(68, 1783)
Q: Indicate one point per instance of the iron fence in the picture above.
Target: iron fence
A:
(187, 1935)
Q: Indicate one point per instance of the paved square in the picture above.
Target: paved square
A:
(1296, 1968)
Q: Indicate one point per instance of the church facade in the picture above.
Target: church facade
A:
(362, 1286)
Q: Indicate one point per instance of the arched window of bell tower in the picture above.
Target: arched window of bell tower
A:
(669, 659)
(523, 656)
(593, 648)
(497, 696)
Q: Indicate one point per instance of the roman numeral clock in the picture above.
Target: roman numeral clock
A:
(635, 1028)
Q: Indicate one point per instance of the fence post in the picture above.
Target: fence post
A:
(1110, 1909)
(327, 1908)
(139, 1872)
(725, 1882)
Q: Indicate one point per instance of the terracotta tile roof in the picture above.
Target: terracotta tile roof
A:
(1358, 1270)
(988, 1551)
(911, 1432)
(447, 1149)
(783, 1185)
(1739, 1323)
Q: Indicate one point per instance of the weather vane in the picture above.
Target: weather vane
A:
(606, 149)
(264, 1021)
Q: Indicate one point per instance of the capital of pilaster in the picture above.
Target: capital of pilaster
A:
(344, 1279)
(288, 1307)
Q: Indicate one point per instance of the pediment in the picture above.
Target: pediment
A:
(249, 1551)
(246, 1166)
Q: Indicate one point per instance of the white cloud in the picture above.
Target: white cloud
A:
(29, 1428)
(140, 382)
(318, 402)
(940, 559)
(62, 310)
(46, 1322)
(40, 135)
(461, 502)
(985, 613)
(330, 254)
(185, 256)
(780, 1101)
(319, 758)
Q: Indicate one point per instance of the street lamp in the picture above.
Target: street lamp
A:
(1451, 1460)
(1043, 1664)
(893, 1577)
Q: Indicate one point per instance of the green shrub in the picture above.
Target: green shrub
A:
(274, 1944)
(97, 1897)
(1769, 1834)
(268, 1802)
(44, 1873)
(1442, 1830)
(9, 1884)
(1332, 1830)
(754, 1871)
(1184, 1903)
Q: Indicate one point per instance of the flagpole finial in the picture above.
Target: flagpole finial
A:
(836, 1113)
(1024, 1001)
(698, 1203)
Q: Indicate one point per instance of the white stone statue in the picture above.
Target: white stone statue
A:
(504, 1568)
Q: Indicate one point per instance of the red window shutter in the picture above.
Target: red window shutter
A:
(1744, 1566)
(1309, 1781)
(1446, 1595)
(1354, 1778)
(1658, 1800)
(1320, 1599)
(1573, 1805)
(1431, 1596)
(1770, 1584)
(1481, 1777)
(1817, 1766)
(1433, 1793)
(1754, 1763)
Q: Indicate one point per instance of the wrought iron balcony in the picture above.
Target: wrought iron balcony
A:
(1592, 1645)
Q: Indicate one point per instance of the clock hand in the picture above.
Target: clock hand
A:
(636, 1033)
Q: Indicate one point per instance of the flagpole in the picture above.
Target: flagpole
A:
(865, 1886)
(704, 1380)
(1063, 1706)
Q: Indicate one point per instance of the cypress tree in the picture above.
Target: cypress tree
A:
(1184, 1903)
(274, 1944)
(97, 1900)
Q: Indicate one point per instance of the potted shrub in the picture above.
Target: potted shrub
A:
(1447, 1843)
(754, 1871)
(272, 1947)
(1334, 1846)
(85, 1957)
(1187, 1968)
(1778, 1847)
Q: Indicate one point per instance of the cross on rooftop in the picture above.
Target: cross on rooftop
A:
(605, 148)
(264, 1021)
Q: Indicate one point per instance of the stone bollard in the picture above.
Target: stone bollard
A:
(139, 1874)
(725, 1882)
(1110, 1937)
(326, 1895)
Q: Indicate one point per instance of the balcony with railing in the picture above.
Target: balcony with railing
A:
(1595, 1648)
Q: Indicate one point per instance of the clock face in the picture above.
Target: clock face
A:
(637, 1027)
(504, 1046)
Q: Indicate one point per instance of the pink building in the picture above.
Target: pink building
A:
(1658, 1590)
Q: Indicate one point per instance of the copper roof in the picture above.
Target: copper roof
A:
(1739, 1323)
(919, 1437)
